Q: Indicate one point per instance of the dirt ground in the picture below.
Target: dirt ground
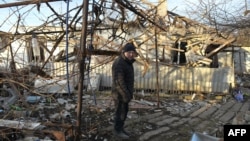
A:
(176, 118)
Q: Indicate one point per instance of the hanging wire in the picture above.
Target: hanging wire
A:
(67, 46)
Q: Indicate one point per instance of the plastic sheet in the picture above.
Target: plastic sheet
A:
(203, 137)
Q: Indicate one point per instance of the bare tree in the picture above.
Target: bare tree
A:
(229, 16)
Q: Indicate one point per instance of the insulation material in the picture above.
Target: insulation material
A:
(53, 86)
(19, 124)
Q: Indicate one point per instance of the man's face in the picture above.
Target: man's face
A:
(130, 54)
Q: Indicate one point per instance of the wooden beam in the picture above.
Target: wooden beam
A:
(215, 51)
(26, 3)
(175, 49)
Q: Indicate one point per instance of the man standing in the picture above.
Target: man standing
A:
(123, 87)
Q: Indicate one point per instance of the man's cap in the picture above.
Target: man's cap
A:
(129, 47)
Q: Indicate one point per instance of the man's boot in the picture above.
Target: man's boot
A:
(118, 130)
(120, 134)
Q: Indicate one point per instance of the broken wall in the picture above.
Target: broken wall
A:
(242, 60)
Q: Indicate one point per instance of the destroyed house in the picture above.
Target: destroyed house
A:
(175, 55)
(188, 56)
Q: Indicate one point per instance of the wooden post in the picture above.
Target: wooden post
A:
(81, 57)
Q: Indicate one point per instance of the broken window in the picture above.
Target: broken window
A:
(35, 49)
(179, 57)
(214, 58)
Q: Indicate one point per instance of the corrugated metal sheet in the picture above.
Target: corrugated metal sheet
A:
(171, 78)
(174, 78)
(186, 79)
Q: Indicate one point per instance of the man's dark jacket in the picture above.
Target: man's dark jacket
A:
(123, 79)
